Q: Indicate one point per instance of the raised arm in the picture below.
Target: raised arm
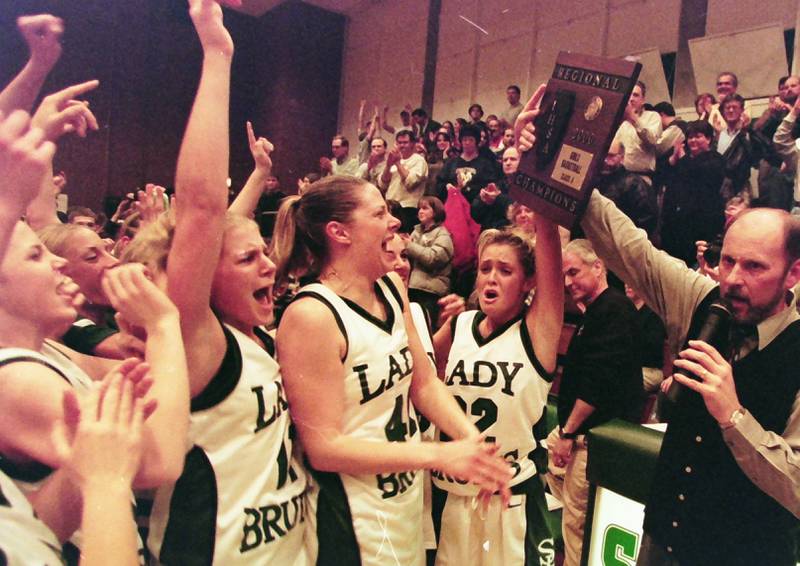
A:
(59, 113)
(42, 33)
(670, 288)
(247, 199)
(783, 142)
(546, 315)
(25, 158)
(202, 198)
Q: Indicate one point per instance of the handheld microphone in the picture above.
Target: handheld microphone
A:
(716, 332)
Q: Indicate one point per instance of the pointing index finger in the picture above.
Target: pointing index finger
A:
(534, 101)
(76, 90)
(251, 136)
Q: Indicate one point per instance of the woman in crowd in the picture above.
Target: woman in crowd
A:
(703, 105)
(430, 249)
(355, 390)
(522, 217)
(240, 499)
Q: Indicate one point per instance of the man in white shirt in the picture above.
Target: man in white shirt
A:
(638, 135)
(403, 178)
(341, 164)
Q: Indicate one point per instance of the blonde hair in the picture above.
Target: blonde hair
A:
(517, 239)
(58, 237)
(153, 242)
(299, 244)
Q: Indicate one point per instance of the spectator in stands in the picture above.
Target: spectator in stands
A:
(476, 115)
(602, 380)
(638, 135)
(306, 181)
(470, 171)
(430, 249)
(703, 105)
(425, 128)
(740, 146)
(727, 85)
(374, 166)
(403, 177)
(651, 336)
(775, 186)
(630, 192)
(509, 115)
(693, 207)
(496, 130)
(786, 144)
(456, 140)
(673, 130)
(82, 216)
(448, 128)
(442, 151)
(508, 137)
(341, 164)
(522, 217)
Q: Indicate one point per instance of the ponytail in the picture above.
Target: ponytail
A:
(299, 244)
(287, 251)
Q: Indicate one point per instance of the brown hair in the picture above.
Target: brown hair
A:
(437, 207)
(299, 243)
(515, 238)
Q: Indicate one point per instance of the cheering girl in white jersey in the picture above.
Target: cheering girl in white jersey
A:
(500, 363)
(241, 497)
(355, 372)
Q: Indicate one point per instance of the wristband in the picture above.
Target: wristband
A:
(567, 435)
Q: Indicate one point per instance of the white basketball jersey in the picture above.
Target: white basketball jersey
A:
(241, 497)
(371, 519)
(24, 539)
(29, 477)
(422, 325)
(502, 387)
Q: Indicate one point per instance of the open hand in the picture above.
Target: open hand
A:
(150, 203)
(99, 439)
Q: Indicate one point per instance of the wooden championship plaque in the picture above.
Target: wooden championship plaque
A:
(581, 109)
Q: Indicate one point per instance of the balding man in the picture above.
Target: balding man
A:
(726, 488)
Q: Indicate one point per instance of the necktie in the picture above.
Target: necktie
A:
(744, 339)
